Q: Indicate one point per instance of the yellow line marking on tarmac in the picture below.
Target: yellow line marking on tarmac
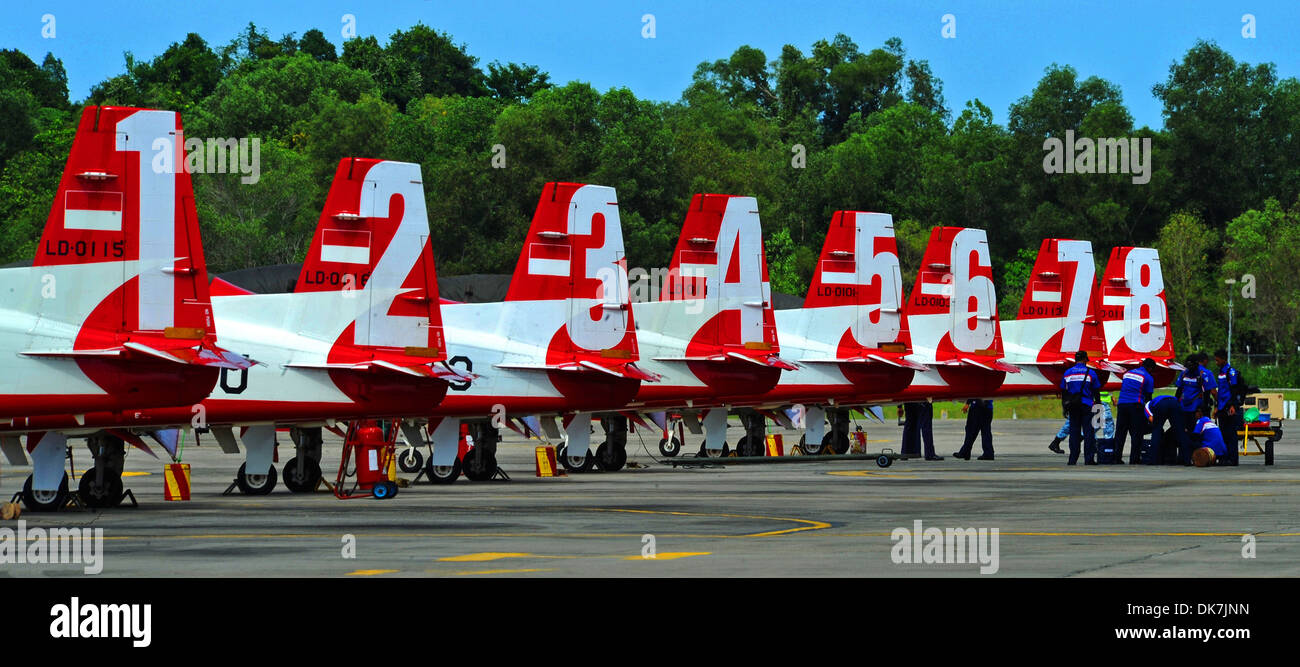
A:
(473, 572)
(810, 524)
(672, 555)
(484, 557)
(367, 573)
(870, 473)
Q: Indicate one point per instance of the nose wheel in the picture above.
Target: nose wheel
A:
(45, 501)
(256, 485)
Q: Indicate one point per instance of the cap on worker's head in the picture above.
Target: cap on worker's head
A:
(1149, 364)
(1220, 354)
(1080, 356)
(1203, 457)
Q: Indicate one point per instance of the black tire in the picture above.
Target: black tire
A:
(392, 489)
(748, 446)
(670, 447)
(479, 467)
(45, 501)
(704, 452)
(380, 490)
(256, 485)
(99, 496)
(442, 474)
(311, 475)
(410, 460)
(884, 461)
(832, 444)
(610, 458)
(811, 450)
(574, 463)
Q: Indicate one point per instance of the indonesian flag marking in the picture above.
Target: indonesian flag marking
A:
(934, 283)
(93, 211)
(548, 259)
(345, 246)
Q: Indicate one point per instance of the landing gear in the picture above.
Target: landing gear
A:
(301, 474)
(256, 485)
(704, 452)
(610, 458)
(45, 501)
(410, 460)
(838, 437)
(480, 463)
(751, 444)
(815, 450)
(101, 486)
(611, 455)
(574, 463)
(670, 447)
(100, 493)
(443, 474)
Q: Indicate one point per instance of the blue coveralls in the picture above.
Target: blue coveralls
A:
(1207, 434)
(1230, 393)
(1135, 389)
(1080, 387)
(1163, 409)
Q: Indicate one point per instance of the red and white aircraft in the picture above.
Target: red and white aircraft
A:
(1057, 318)
(114, 314)
(368, 352)
(712, 333)
(1134, 315)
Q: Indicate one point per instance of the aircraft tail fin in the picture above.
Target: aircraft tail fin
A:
(124, 215)
(372, 243)
(1133, 311)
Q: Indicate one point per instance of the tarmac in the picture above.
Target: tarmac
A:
(814, 519)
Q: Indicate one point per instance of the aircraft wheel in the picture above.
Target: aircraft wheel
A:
(442, 474)
(479, 468)
(310, 475)
(670, 447)
(748, 446)
(810, 450)
(610, 458)
(256, 485)
(45, 501)
(704, 452)
(410, 460)
(573, 463)
(98, 496)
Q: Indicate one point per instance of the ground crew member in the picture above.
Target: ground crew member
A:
(979, 420)
(1135, 390)
(1167, 409)
(918, 426)
(1210, 382)
(1060, 435)
(1206, 435)
(1079, 389)
(1232, 397)
(1190, 390)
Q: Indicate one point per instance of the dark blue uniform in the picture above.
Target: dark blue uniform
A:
(979, 421)
(1231, 393)
(1134, 390)
(1162, 410)
(1080, 387)
(1190, 392)
(918, 426)
(1211, 384)
(1207, 434)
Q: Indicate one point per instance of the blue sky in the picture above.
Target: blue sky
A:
(999, 53)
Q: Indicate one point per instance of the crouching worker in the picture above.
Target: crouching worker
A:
(1163, 410)
(1208, 441)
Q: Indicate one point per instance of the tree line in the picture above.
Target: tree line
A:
(806, 132)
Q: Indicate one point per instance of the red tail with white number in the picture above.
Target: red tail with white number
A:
(1133, 310)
